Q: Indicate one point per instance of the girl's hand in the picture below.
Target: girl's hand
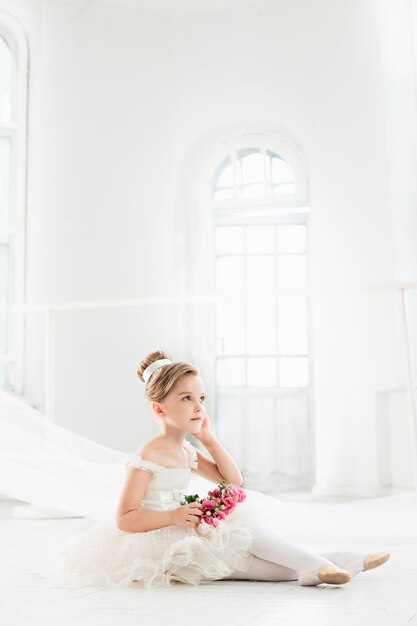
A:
(205, 434)
(188, 515)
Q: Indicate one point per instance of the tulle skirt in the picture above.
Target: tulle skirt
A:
(104, 555)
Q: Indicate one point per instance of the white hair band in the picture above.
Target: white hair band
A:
(147, 372)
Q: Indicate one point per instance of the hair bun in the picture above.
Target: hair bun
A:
(150, 358)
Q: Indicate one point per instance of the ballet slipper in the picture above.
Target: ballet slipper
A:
(333, 575)
(330, 574)
(374, 559)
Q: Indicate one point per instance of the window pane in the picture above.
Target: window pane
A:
(260, 273)
(251, 191)
(292, 325)
(279, 190)
(260, 239)
(230, 239)
(253, 168)
(292, 271)
(230, 329)
(4, 271)
(281, 171)
(230, 274)
(261, 326)
(262, 372)
(293, 372)
(6, 82)
(230, 371)
(291, 238)
(5, 148)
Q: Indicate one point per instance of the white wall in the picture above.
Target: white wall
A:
(119, 96)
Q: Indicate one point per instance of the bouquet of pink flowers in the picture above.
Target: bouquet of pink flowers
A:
(219, 502)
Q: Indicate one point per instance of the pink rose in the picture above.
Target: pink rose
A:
(207, 505)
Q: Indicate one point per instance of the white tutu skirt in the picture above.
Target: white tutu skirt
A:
(106, 555)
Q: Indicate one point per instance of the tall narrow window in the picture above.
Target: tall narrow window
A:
(13, 94)
(262, 340)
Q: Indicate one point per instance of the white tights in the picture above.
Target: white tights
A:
(277, 558)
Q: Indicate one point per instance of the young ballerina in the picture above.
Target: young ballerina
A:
(156, 538)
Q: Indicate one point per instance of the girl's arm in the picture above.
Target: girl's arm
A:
(129, 517)
(139, 521)
(224, 462)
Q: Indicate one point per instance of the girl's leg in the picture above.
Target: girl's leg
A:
(271, 546)
(259, 569)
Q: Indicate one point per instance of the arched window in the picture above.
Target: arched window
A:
(13, 107)
(253, 172)
(258, 252)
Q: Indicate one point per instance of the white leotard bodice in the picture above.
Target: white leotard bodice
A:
(167, 484)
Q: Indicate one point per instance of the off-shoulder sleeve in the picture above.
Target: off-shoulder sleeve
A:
(193, 452)
(136, 461)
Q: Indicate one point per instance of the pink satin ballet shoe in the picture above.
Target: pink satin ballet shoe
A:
(333, 575)
(330, 574)
(374, 559)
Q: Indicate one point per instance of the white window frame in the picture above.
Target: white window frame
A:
(270, 210)
(13, 34)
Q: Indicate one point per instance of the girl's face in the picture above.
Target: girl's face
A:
(183, 404)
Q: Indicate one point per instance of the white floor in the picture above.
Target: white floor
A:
(387, 595)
